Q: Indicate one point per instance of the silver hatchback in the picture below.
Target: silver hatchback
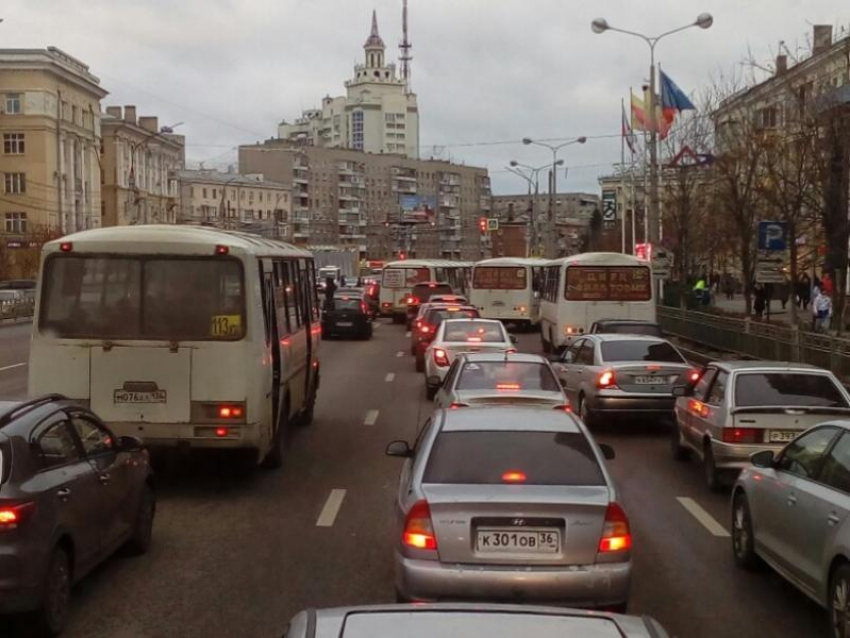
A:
(509, 503)
(792, 511)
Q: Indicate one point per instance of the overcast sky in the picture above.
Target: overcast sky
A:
(485, 70)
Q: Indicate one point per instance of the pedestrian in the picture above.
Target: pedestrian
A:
(330, 289)
(823, 311)
(758, 304)
(699, 289)
(783, 291)
(826, 284)
(729, 286)
(768, 297)
(804, 291)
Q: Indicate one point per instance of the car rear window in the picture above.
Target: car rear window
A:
(507, 377)
(436, 317)
(425, 292)
(787, 389)
(352, 303)
(640, 351)
(546, 458)
(631, 329)
(474, 331)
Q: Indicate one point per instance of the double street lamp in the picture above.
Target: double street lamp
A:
(533, 180)
(600, 25)
(551, 245)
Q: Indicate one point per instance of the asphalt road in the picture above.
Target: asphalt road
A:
(14, 350)
(238, 556)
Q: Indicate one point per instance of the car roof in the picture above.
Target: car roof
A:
(515, 357)
(18, 415)
(508, 419)
(641, 322)
(734, 365)
(618, 336)
(475, 319)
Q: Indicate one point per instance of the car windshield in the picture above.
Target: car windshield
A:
(507, 376)
(544, 458)
(474, 331)
(787, 389)
(638, 350)
(347, 303)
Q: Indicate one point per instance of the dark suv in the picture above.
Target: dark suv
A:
(70, 495)
(420, 294)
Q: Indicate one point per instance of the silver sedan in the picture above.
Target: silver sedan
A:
(469, 621)
(618, 374)
(509, 503)
(792, 511)
(498, 379)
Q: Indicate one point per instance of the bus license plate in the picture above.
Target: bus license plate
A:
(509, 540)
(154, 396)
(782, 436)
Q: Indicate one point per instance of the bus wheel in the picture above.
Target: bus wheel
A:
(274, 457)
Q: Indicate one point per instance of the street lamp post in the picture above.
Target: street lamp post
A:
(551, 227)
(533, 181)
(600, 25)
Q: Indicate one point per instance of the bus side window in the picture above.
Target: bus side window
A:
(264, 292)
(296, 294)
(289, 289)
(304, 280)
(313, 290)
(280, 297)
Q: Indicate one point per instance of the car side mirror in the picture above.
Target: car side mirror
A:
(763, 459)
(400, 449)
(607, 452)
(683, 391)
(130, 443)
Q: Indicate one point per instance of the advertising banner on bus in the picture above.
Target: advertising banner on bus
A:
(610, 283)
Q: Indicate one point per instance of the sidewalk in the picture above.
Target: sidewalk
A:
(737, 305)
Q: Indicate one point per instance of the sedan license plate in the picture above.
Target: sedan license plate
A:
(345, 324)
(125, 396)
(781, 436)
(514, 541)
(648, 380)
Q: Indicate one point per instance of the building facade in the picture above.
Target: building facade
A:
(140, 164)
(231, 201)
(50, 126)
(378, 113)
(382, 205)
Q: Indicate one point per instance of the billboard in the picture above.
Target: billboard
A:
(418, 209)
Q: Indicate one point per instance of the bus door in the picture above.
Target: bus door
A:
(312, 322)
(272, 297)
(296, 360)
(536, 291)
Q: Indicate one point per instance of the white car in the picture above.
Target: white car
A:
(456, 336)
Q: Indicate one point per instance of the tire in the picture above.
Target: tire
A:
(401, 598)
(52, 614)
(584, 412)
(713, 477)
(140, 540)
(743, 545)
(839, 602)
(430, 392)
(679, 451)
(274, 457)
(420, 364)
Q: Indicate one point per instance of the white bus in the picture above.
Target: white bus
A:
(399, 277)
(507, 288)
(180, 335)
(581, 289)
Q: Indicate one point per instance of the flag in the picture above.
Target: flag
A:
(672, 97)
(638, 113)
(640, 120)
(628, 135)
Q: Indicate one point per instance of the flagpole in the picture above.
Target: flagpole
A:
(623, 172)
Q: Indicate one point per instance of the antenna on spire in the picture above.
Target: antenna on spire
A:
(405, 46)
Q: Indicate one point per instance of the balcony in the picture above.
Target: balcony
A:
(407, 188)
(449, 180)
(449, 201)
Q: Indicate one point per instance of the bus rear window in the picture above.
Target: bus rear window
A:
(143, 297)
(405, 277)
(499, 278)
(608, 283)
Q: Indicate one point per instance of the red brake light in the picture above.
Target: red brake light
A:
(432, 285)
(694, 375)
(474, 339)
(418, 529)
(616, 534)
(606, 380)
(221, 432)
(453, 309)
(12, 516)
(455, 406)
(742, 435)
(441, 358)
(221, 250)
(513, 476)
(363, 308)
(653, 367)
(508, 386)
(566, 407)
(66, 246)
(424, 329)
(230, 411)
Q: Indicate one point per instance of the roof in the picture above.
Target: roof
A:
(641, 322)
(601, 259)
(766, 365)
(157, 238)
(217, 177)
(513, 357)
(618, 336)
(476, 320)
(374, 40)
(421, 263)
(509, 419)
(510, 261)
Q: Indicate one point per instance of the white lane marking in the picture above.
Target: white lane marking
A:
(371, 417)
(702, 516)
(376, 325)
(12, 367)
(331, 509)
(400, 353)
(407, 334)
(390, 377)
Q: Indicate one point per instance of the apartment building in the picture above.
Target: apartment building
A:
(140, 162)
(231, 201)
(379, 204)
(50, 126)
(378, 113)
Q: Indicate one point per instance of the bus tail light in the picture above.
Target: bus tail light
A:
(441, 357)
(66, 246)
(222, 250)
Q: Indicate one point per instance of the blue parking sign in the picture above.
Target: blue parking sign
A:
(773, 235)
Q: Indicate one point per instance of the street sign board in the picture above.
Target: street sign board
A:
(769, 267)
(662, 264)
(492, 224)
(609, 206)
(773, 235)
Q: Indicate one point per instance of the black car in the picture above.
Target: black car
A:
(349, 315)
(627, 326)
(71, 494)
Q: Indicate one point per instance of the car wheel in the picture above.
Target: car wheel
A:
(420, 364)
(743, 542)
(679, 451)
(140, 540)
(430, 392)
(52, 615)
(584, 412)
(839, 602)
(713, 478)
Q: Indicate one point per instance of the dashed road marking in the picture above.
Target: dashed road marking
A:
(13, 366)
(407, 334)
(390, 377)
(702, 516)
(400, 353)
(371, 417)
(331, 509)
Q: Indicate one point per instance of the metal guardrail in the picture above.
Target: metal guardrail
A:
(759, 340)
(16, 309)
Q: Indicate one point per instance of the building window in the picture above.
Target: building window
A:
(13, 143)
(205, 193)
(13, 103)
(16, 223)
(15, 183)
(357, 130)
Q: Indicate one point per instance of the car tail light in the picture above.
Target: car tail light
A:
(513, 476)
(564, 407)
(616, 534)
(418, 529)
(693, 376)
(606, 380)
(386, 304)
(13, 516)
(474, 339)
(508, 386)
(441, 357)
(742, 435)
(456, 405)
(424, 329)
(364, 308)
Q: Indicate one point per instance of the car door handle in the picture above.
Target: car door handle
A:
(104, 478)
(792, 500)
(832, 519)
(65, 492)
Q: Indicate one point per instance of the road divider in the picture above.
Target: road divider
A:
(703, 517)
(371, 417)
(328, 514)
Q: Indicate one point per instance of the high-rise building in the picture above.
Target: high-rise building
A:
(378, 113)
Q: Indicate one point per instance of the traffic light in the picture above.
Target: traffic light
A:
(643, 251)
(482, 225)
